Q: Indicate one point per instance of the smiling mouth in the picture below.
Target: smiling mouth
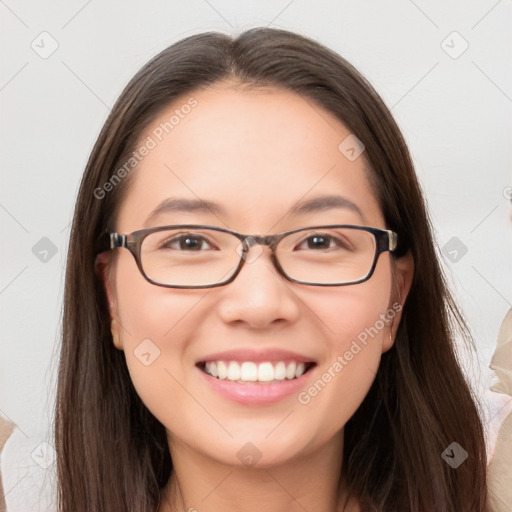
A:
(251, 372)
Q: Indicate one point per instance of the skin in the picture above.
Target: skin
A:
(256, 153)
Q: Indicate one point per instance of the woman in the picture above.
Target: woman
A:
(308, 366)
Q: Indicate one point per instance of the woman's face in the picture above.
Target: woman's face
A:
(256, 154)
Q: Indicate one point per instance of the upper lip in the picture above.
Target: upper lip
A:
(270, 355)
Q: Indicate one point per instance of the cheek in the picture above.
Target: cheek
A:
(355, 315)
(355, 324)
(155, 325)
(148, 311)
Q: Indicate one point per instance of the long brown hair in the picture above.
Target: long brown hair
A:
(112, 453)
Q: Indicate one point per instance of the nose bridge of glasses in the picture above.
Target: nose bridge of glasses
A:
(257, 241)
(251, 240)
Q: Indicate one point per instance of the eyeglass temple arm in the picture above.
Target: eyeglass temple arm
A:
(387, 243)
(392, 240)
(110, 241)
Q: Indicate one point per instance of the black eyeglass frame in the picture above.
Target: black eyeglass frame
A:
(385, 240)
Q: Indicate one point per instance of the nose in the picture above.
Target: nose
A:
(259, 296)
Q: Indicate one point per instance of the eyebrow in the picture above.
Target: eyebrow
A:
(317, 204)
(323, 203)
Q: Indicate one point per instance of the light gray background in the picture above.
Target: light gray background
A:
(454, 109)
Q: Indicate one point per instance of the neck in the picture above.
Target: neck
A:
(307, 482)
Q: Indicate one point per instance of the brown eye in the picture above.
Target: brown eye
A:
(185, 242)
(324, 241)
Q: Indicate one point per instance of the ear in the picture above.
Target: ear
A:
(403, 273)
(103, 270)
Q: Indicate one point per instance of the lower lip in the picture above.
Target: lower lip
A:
(255, 393)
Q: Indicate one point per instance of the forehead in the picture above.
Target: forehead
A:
(256, 153)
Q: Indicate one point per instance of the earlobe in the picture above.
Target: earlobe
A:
(403, 274)
(388, 340)
(115, 335)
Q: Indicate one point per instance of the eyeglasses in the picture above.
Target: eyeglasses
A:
(196, 256)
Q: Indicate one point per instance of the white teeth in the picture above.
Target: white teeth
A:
(253, 372)
(212, 369)
(290, 370)
(233, 371)
(265, 372)
(280, 371)
(222, 370)
(249, 372)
